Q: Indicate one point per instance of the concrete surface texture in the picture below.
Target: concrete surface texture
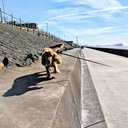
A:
(29, 100)
(110, 77)
(91, 111)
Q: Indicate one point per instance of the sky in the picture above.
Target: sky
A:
(90, 22)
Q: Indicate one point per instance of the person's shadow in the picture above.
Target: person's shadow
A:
(26, 83)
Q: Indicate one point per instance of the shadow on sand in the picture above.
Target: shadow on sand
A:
(26, 83)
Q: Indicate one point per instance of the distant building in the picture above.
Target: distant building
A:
(119, 44)
(72, 43)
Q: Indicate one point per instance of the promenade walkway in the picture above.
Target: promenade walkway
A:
(110, 78)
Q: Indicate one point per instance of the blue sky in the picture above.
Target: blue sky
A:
(94, 22)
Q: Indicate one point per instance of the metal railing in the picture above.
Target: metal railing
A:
(17, 22)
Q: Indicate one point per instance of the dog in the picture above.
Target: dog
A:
(50, 59)
(57, 48)
(4, 63)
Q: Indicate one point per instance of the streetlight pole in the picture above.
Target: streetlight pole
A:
(76, 39)
(59, 34)
(47, 27)
(3, 10)
(64, 37)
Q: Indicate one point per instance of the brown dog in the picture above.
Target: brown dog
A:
(50, 59)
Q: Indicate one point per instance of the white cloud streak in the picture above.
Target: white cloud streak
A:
(102, 9)
(106, 8)
(81, 11)
(94, 32)
(89, 31)
(98, 4)
(89, 13)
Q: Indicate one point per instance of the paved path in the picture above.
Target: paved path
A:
(110, 76)
(29, 100)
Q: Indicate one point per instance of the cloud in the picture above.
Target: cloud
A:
(102, 9)
(102, 35)
(90, 19)
(95, 6)
(77, 13)
(108, 39)
(99, 4)
(98, 31)
(61, 1)
(89, 31)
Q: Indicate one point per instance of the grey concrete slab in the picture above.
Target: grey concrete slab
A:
(91, 111)
(110, 79)
(28, 100)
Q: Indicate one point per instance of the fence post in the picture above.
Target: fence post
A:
(43, 34)
(1, 20)
(20, 24)
(49, 36)
(6, 19)
(38, 33)
(12, 19)
(27, 26)
(33, 30)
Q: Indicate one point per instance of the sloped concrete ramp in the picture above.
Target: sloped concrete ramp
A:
(28, 100)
